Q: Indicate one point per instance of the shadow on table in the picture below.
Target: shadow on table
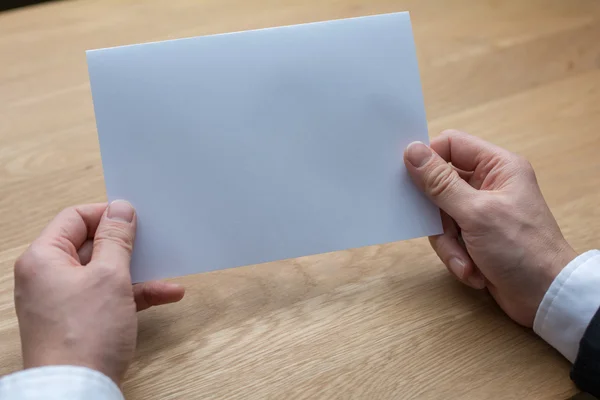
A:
(11, 4)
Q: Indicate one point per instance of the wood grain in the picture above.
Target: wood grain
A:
(380, 322)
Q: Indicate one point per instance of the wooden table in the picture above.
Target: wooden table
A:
(376, 323)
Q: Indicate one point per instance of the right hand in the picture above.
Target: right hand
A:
(499, 233)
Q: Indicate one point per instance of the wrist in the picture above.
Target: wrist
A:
(558, 259)
(544, 270)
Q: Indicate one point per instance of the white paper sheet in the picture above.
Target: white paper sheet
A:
(256, 146)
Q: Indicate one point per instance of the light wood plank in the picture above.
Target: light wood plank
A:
(375, 323)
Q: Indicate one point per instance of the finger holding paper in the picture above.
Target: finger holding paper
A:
(74, 300)
(509, 233)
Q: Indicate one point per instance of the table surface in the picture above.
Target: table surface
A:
(374, 323)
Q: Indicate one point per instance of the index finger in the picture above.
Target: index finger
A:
(465, 151)
(72, 227)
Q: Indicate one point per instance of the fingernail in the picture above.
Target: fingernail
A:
(457, 266)
(120, 210)
(476, 281)
(418, 154)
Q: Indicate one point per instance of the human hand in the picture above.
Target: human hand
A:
(491, 202)
(73, 293)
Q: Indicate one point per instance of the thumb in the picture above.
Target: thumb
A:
(113, 241)
(438, 179)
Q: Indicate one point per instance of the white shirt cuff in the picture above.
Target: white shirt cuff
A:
(58, 383)
(569, 304)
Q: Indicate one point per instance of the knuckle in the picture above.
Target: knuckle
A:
(524, 166)
(452, 132)
(149, 296)
(27, 263)
(23, 269)
(113, 234)
(440, 180)
(71, 210)
(482, 208)
(105, 272)
(68, 214)
(527, 168)
(523, 163)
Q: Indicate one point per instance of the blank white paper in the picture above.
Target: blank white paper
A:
(248, 147)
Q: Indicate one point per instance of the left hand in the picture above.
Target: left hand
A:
(73, 293)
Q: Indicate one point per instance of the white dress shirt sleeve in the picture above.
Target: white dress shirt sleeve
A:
(58, 383)
(569, 304)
